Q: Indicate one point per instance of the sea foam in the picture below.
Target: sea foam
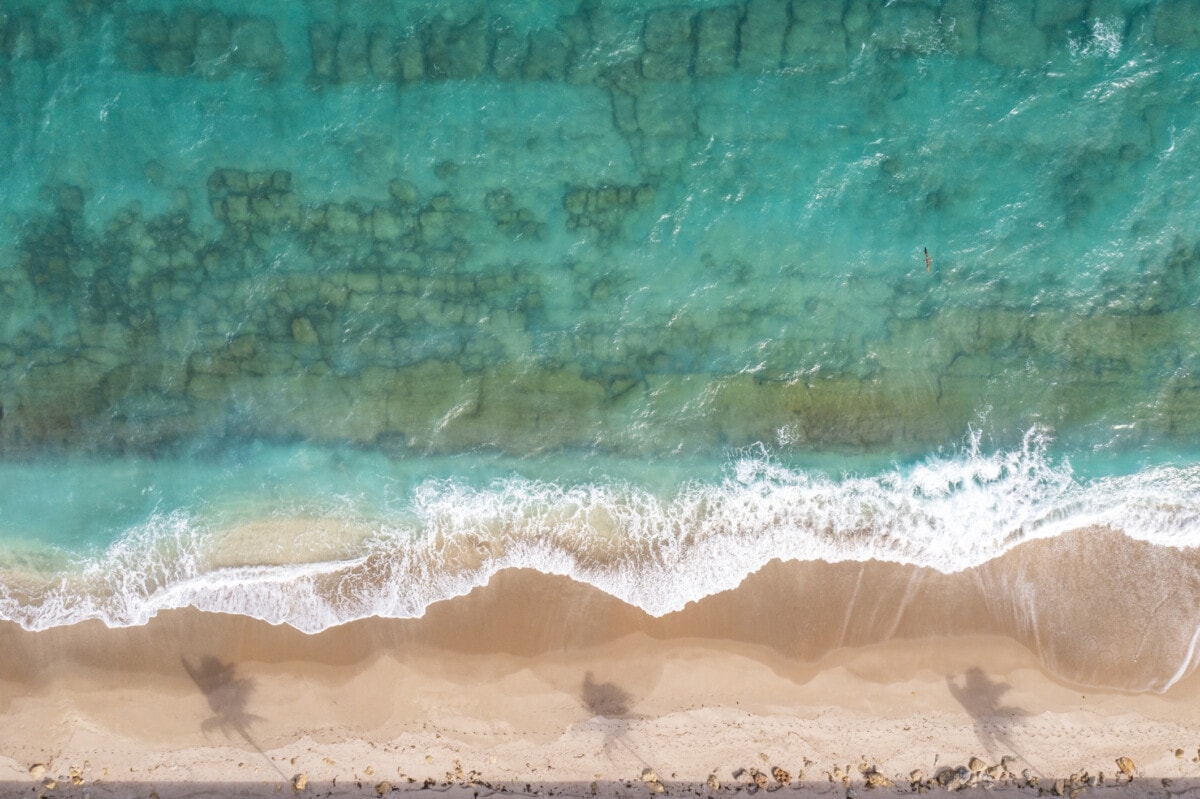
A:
(949, 513)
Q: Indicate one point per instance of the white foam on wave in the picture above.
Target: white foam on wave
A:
(948, 513)
(121, 586)
(1105, 39)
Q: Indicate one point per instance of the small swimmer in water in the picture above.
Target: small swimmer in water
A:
(928, 260)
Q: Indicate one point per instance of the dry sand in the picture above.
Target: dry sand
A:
(535, 684)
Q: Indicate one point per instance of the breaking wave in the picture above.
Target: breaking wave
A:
(947, 513)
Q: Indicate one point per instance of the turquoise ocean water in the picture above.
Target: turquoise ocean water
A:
(324, 310)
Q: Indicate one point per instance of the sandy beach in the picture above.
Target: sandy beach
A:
(535, 684)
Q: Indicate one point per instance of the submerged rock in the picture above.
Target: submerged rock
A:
(548, 56)
(816, 40)
(382, 54)
(716, 40)
(603, 207)
(508, 54)
(906, 28)
(1178, 24)
(1054, 13)
(212, 45)
(667, 110)
(303, 331)
(458, 52)
(254, 45)
(761, 35)
(410, 60)
(351, 55)
(1009, 37)
(322, 42)
(668, 41)
(960, 26)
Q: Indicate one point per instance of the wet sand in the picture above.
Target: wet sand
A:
(830, 673)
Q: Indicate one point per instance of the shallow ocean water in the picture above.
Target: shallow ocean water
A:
(387, 297)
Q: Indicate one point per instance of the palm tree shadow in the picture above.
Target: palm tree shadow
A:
(981, 697)
(228, 696)
(612, 704)
(605, 699)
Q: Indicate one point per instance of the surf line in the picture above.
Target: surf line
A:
(928, 260)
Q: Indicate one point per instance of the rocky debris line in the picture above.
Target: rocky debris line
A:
(753, 779)
(977, 773)
(47, 785)
(203, 43)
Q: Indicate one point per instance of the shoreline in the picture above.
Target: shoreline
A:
(536, 679)
(1095, 607)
